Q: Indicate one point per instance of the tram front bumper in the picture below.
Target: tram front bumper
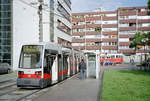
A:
(23, 82)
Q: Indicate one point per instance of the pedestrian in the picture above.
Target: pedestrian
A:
(82, 67)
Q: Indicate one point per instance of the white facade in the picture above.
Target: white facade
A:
(59, 33)
(26, 24)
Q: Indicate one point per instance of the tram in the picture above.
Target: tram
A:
(44, 64)
(115, 58)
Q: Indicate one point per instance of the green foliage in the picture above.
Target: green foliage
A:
(148, 36)
(98, 29)
(140, 39)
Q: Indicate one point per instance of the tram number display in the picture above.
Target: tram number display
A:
(31, 48)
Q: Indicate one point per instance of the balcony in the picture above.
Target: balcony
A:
(124, 43)
(126, 51)
(133, 51)
(109, 47)
(92, 25)
(78, 20)
(140, 21)
(126, 36)
(93, 47)
(144, 29)
(78, 26)
(78, 33)
(87, 47)
(109, 40)
(110, 18)
(78, 40)
(142, 13)
(127, 28)
(110, 25)
(108, 33)
(93, 40)
(127, 13)
(128, 21)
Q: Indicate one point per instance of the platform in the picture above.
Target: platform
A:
(73, 89)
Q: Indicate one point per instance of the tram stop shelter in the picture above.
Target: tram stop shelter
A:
(93, 65)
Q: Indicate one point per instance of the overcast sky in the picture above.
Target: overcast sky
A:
(108, 5)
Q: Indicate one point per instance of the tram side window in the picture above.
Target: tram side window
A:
(65, 62)
(102, 57)
(112, 56)
(117, 56)
(108, 57)
(59, 63)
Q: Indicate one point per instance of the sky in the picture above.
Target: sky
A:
(108, 5)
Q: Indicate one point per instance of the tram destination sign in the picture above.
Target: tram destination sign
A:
(31, 48)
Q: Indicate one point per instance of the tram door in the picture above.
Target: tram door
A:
(75, 64)
(65, 65)
(71, 65)
(60, 70)
(48, 63)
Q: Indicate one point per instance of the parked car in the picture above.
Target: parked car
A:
(4, 68)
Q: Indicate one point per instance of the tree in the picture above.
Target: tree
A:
(137, 40)
(148, 36)
(98, 29)
(142, 39)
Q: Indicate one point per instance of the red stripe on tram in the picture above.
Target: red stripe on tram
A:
(29, 76)
(47, 76)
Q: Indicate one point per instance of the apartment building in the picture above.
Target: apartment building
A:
(40, 21)
(130, 21)
(109, 31)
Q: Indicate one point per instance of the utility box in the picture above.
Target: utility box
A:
(93, 65)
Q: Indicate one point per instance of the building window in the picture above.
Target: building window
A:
(5, 31)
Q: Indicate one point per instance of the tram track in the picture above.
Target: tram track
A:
(4, 92)
(13, 93)
(7, 83)
(17, 94)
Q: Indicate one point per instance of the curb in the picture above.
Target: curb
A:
(100, 85)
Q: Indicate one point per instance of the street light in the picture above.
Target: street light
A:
(144, 41)
(85, 33)
(40, 21)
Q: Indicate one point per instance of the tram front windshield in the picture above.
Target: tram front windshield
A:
(31, 57)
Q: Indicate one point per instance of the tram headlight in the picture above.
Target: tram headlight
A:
(20, 73)
(38, 73)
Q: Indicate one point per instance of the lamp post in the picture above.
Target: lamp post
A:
(85, 34)
(40, 21)
(144, 41)
(101, 36)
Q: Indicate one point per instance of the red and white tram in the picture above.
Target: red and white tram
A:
(43, 64)
(115, 58)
